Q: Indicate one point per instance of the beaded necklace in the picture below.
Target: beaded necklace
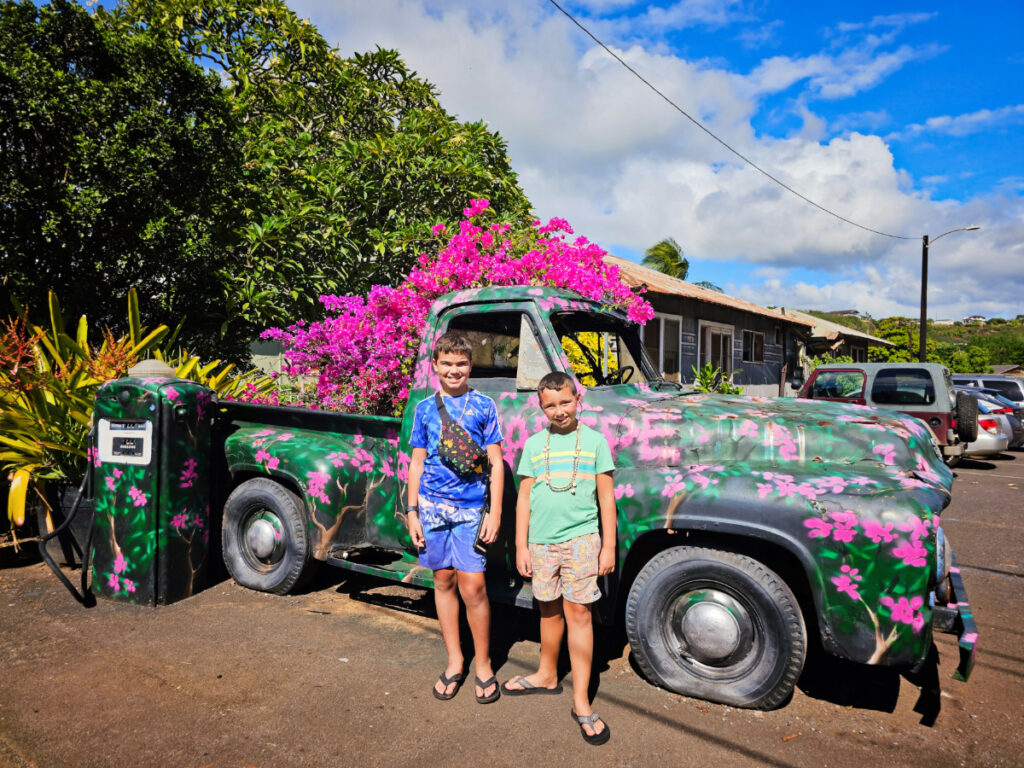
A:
(571, 485)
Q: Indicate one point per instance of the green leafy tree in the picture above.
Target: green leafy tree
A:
(667, 257)
(898, 331)
(346, 160)
(116, 152)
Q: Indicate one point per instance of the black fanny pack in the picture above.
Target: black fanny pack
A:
(457, 448)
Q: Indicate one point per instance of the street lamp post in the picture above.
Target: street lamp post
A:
(922, 350)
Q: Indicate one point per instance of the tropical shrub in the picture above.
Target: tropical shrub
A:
(49, 379)
(361, 355)
(710, 379)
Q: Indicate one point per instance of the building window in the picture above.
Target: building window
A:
(753, 347)
(778, 334)
(662, 339)
(716, 347)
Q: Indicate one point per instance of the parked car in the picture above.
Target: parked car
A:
(1009, 387)
(922, 390)
(993, 438)
(990, 402)
(1010, 424)
(1017, 408)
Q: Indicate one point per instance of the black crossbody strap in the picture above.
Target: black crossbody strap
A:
(441, 410)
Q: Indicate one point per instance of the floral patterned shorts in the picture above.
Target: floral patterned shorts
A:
(567, 569)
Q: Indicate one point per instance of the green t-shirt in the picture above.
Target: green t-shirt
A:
(559, 516)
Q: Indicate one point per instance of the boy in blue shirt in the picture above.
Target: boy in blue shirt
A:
(445, 508)
(565, 539)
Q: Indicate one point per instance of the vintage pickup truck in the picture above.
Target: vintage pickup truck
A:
(746, 525)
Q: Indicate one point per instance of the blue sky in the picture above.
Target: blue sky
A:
(906, 118)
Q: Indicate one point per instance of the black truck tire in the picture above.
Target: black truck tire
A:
(716, 625)
(266, 545)
(966, 417)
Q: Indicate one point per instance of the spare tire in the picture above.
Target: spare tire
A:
(966, 417)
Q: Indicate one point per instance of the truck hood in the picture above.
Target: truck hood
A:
(698, 429)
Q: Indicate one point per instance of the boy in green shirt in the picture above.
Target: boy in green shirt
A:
(566, 473)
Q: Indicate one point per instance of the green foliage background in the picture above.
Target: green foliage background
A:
(963, 348)
(224, 160)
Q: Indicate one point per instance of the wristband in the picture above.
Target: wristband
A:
(413, 508)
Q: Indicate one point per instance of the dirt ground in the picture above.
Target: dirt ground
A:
(340, 675)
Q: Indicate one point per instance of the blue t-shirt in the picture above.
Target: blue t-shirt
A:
(479, 417)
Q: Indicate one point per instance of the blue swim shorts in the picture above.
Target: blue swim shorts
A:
(450, 545)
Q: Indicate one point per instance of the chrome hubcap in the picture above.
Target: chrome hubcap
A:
(711, 628)
(264, 538)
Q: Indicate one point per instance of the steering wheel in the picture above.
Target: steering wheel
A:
(620, 376)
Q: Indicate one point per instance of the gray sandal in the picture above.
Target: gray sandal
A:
(591, 738)
(526, 687)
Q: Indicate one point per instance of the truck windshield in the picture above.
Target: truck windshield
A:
(603, 350)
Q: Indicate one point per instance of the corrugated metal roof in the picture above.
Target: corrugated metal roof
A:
(827, 329)
(634, 274)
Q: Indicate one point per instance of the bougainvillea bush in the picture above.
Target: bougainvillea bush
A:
(361, 355)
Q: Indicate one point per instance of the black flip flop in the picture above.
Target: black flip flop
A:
(528, 688)
(457, 678)
(484, 685)
(591, 738)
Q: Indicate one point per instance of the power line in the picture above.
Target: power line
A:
(700, 125)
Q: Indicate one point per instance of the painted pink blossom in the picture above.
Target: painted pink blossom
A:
(114, 583)
(624, 491)
(129, 586)
(820, 529)
(315, 485)
(180, 521)
(120, 564)
(845, 525)
(362, 460)
(887, 452)
(917, 528)
(188, 473)
(117, 473)
(171, 394)
(878, 532)
(911, 553)
(673, 484)
(846, 582)
(337, 458)
(905, 611)
(93, 455)
(747, 428)
(268, 460)
(110, 483)
(138, 497)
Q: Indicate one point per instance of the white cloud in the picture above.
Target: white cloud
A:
(963, 125)
(595, 146)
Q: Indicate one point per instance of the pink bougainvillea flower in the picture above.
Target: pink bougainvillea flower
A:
(363, 355)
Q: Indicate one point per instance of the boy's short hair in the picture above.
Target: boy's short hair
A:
(452, 342)
(555, 380)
